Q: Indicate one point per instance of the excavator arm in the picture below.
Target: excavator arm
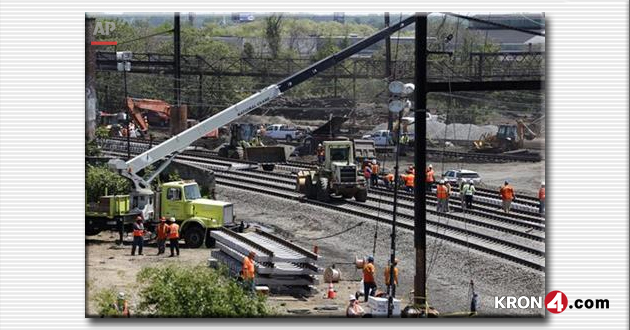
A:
(137, 106)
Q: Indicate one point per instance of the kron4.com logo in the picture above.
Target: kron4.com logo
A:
(555, 302)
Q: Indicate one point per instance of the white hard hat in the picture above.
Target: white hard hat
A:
(441, 181)
(430, 166)
(542, 183)
(121, 295)
(319, 145)
(373, 161)
(171, 219)
(353, 297)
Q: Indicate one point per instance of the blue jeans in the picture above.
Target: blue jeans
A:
(541, 207)
(137, 241)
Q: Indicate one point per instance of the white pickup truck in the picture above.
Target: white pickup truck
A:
(381, 138)
(282, 132)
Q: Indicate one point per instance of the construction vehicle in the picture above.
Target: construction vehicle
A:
(179, 199)
(338, 175)
(157, 112)
(245, 143)
(329, 131)
(509, 138)
(144, 201)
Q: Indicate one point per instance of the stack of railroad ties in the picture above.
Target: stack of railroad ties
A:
(280, 264)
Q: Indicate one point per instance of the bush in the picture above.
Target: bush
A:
(185, 291)
(105, 300)
(100, 178)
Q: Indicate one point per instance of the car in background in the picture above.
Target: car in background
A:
(455, 176)
(381, 138)
(283, 132)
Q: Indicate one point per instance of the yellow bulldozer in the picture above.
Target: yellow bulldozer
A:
(508, 138)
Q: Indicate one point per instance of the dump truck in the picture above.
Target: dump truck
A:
(178, 199)
(245, 143)
(338, 175)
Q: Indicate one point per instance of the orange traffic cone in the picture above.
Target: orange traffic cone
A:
(331, 291)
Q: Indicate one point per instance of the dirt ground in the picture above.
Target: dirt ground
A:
(450, 267)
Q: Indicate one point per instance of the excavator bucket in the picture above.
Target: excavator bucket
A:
(266, 154)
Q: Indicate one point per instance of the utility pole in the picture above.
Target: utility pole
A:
(90, 80)
(176, 59)
(388, 71)
(420, 223)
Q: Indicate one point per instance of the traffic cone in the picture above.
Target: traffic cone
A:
(331, 291)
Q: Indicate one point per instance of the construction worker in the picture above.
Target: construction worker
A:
(469, 192)
(262, 131)
(442, 194)
(162, 234)
(462, 200)
(387, 274)
(367, 173)
(374, 175)
(449, 189)
(389, 180)
(507, 196)
(541, 199)
(248, 271)
(121, 305)
(430, 178)
(354, 309)
(369, 283)
(321, 153)
(409, 181)
(173, 236)
(138, 236)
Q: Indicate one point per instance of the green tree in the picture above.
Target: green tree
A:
(99, 179)
(273, 30)
(187, 291)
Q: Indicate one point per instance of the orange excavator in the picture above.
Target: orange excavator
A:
(148, 111)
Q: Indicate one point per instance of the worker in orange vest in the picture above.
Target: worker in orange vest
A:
(442, 197)
(389, 180)
(369, 283)
(507, 196)
(173, 236)
(321, 153)
(162, 234)
(541, 199)
(121, 305)
(374, 175)
(248, 271)
(138, 236)
(409, 181)
(430, 178)
(387, 274)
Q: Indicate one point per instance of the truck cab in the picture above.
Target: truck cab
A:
(381, 138)
(182, 200)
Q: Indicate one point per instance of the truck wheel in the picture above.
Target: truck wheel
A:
(311, 189)
(223, 152)
(346, 195)
(322, 190)
(361, 195)
(193, 236)
(210, 241)
(289, 138)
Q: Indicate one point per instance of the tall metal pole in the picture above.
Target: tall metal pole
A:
(177, 55)
(420, 223)
(90, 80)
(128, 115)
(388, 70)
(391, 289)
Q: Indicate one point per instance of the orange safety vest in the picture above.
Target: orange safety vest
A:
(409, 180)
(368, 273)
(138, 232)
(507, 193)
(173, 231)
(541, 194)
(321, 151)
(375, 168)
(390, 177)
(248, 269)
(430, 178)
(162, 231)
(442, 191)
(386, 272)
